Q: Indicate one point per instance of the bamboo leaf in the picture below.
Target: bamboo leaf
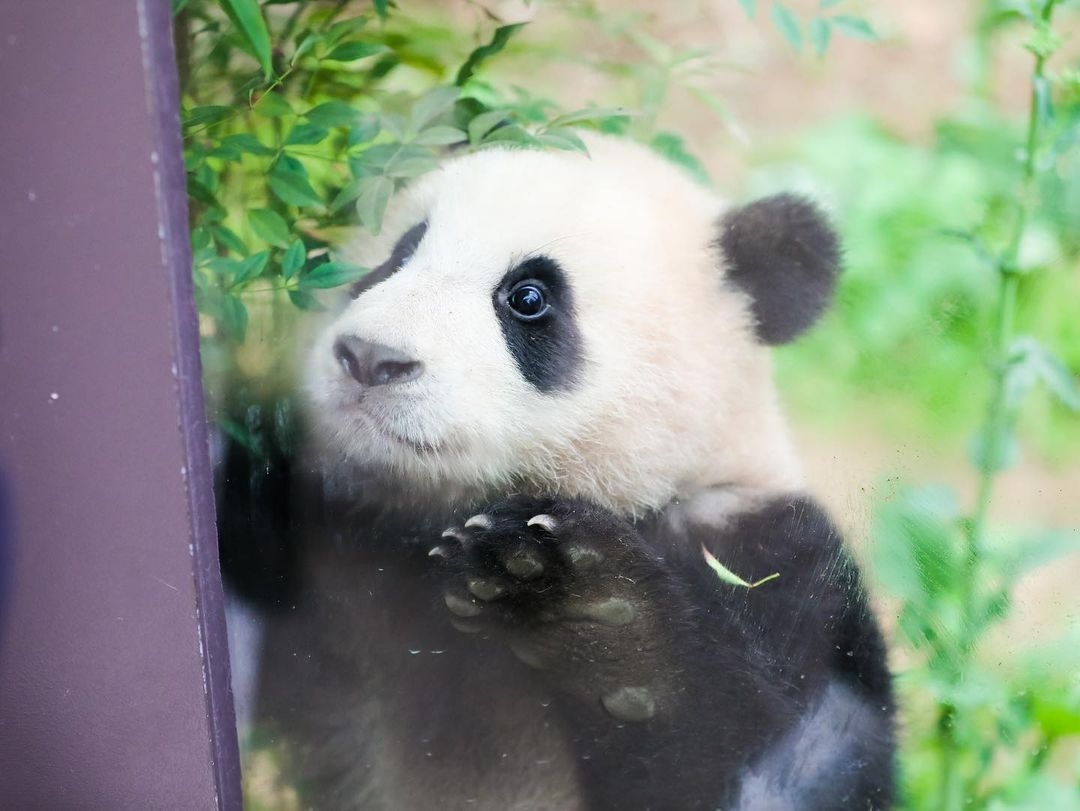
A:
(787, 24)
(728, 576)
(331, 274)
(374, 195)
(269, 226)
(293, 259)
(855, 27)
(498, 41)
(820, 34)
(247, 17)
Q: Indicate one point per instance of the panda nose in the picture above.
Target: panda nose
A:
(372, 364)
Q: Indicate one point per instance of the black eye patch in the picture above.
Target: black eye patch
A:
(405, 247)
(535, 308)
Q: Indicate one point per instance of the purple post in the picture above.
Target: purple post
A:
(114, 682)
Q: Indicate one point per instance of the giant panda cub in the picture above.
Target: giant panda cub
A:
(533, 424)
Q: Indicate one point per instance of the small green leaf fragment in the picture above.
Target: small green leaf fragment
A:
(728, 576)
(749, 7)
(590, 115)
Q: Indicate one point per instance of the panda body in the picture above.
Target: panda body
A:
(548, 401)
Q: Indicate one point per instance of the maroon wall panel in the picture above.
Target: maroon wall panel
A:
(113, 676)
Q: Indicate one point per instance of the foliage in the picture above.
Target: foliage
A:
(301, 120)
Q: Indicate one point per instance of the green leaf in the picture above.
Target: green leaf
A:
(306, 134)
(247, 17)
(824, 4)
(563, 139)
(498, 41)
(749, 7)
(292, 187)
(348, 193)
(916, 543)
(206, 115)
(1035, 552)
(1044, 105)
(994, 450)
(364, 130)
(382, 8)
(1030, 361)
(728, 576)
(410, 166)
(332, 114)
(787, 24)
(441, 136)
(303, 300)
(431, 105)
(234, 318)
(306, 44)
(352, 51)
(820, 33)
(246, 142)
(374, 195)
(293, 259)
(269, 226)
(331, 274)
(251, 267)
(272, 105)
(485, 123)
(512, 134)
(855, 27)
(228, 238)
(589, 115)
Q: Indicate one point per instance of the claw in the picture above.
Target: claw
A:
(544, 521)
(455, 533)
(479, 521)
(439, 552)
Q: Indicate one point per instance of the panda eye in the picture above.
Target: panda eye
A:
(528, 301)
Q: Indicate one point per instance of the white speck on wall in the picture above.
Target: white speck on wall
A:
(153, 157)
(55, 327)
(54, 396)
(183, 470)
(31, 195)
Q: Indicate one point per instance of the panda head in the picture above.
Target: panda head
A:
(596, 326)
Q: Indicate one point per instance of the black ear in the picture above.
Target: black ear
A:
(782, 252)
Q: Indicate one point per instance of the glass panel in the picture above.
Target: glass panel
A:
(620, 406)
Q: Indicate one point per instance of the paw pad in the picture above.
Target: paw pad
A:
(461, 606)
(484, 589)
(630, 704)
(523, 565)
(614, 611)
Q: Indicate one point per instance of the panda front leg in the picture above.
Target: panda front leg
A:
(659, 697)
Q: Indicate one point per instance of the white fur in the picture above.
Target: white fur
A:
(675, 395)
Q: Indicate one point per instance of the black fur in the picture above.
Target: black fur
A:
(547, 351)
(412, 691)
(782, 252)
(405, 247)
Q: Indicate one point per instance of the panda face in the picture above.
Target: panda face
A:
(552, 322)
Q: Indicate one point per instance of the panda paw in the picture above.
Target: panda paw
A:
(570, 587)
